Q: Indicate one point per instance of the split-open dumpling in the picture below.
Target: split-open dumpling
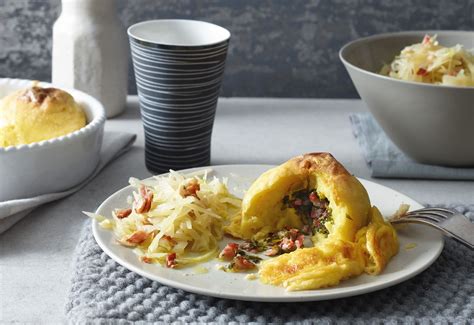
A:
(316, 194)
(312, 190)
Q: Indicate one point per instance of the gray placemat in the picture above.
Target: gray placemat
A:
(102, 291)
(385, 160)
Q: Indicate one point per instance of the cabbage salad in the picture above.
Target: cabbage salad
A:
(174, 220)
(429, 62)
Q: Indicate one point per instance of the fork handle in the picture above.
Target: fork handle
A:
(460, 229)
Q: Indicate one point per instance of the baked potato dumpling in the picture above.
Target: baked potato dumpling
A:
(35, 114)
(265, 207)
(314, 193)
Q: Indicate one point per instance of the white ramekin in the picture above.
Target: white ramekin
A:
(51, 165)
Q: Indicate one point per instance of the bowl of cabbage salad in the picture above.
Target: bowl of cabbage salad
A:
(419, 86)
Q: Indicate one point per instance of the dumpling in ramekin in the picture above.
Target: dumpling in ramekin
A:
(35, 114)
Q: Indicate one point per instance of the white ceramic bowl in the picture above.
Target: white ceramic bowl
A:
(430, 123)
(56, 164)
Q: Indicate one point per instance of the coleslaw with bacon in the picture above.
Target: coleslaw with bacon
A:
(173, 220)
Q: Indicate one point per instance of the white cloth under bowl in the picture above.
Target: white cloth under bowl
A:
(114, 144)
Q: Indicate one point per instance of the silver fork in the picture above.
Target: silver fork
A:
(451, 223)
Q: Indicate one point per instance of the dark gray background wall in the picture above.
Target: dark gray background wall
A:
(281, 48)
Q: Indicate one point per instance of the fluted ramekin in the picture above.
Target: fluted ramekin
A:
(56, 164)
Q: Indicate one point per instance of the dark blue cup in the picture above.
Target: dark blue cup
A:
(178, 68)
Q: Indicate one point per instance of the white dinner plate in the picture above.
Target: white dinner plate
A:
(405, 265)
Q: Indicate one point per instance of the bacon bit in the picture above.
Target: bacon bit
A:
(287, 244)
(125, 243)
(313, 197)
(229, 251)
(241, 263)
(146, 198)
(146, 259)
(191, 188)
(171, 260)
(140, 206)
(170, 239)
(137, 237)
(123, 213)
(426, 39)
(422, 72)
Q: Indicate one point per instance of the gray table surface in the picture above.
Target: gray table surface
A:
(35, 255)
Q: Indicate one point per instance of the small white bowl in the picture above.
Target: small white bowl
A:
(56, 164)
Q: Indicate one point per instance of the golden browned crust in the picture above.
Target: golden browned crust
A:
(35, 114)
(38, 95)
(318, 162)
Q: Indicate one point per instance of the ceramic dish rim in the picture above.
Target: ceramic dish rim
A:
(166, 44)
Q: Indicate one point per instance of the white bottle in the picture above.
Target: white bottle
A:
(90, 52)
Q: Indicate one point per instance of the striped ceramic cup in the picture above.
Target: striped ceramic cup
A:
(178, 69)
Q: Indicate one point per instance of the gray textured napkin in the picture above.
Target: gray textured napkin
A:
(113, 145)
(387, 161)
(104, 292)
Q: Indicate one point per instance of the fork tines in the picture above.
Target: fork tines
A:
(434, 214)
(450, 222)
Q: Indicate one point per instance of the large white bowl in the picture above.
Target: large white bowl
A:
(56, 164)
(430, 123)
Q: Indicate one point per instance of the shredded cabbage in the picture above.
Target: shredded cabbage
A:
(184, 224)
(430, 62)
